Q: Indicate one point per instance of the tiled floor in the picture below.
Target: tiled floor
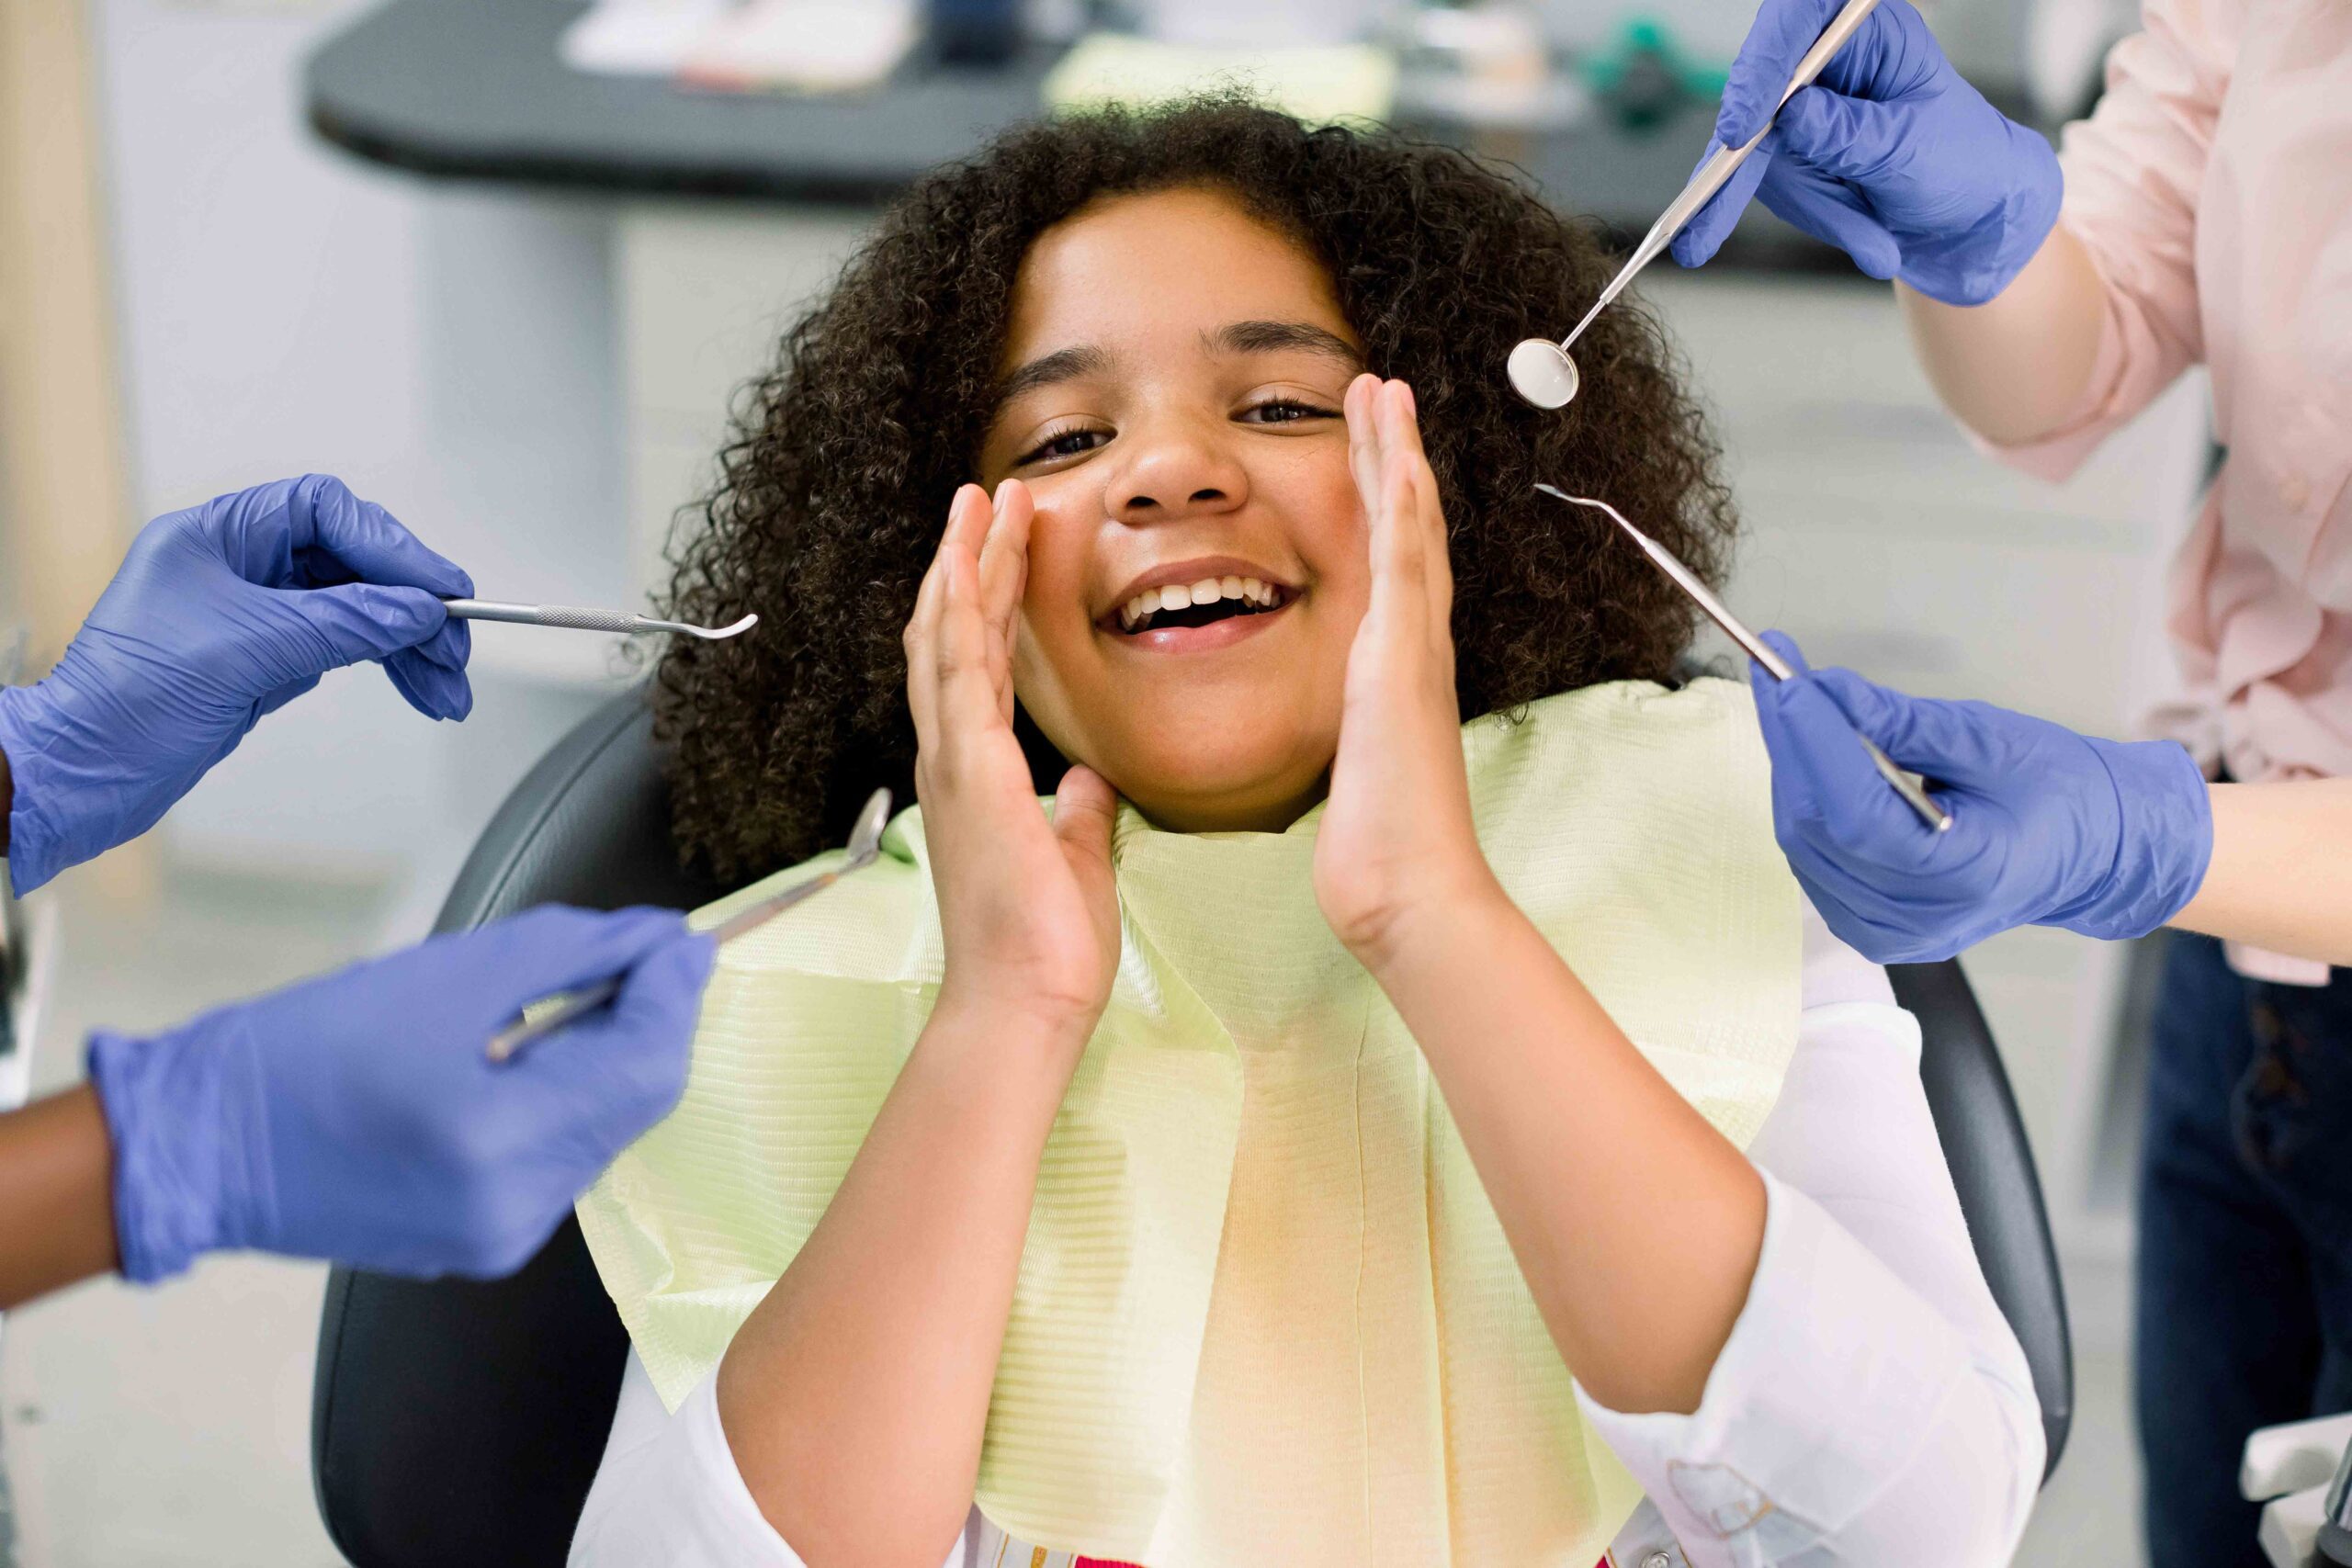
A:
(168, 1428)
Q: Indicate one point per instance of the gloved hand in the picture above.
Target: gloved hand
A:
(355, 1117)
(2049, 828)
(219, 614)
(1890, 156)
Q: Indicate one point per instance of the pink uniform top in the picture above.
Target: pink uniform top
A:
(2213, 189)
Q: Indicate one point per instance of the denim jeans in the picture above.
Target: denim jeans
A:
(2245, 1268)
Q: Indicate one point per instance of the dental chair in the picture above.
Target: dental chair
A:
(455, 1422)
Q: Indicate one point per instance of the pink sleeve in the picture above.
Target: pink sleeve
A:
(2134, 173)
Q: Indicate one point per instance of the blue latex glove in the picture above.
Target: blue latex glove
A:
(2049, 828)
(219, 614)
(356, 1117)
(1890, 156)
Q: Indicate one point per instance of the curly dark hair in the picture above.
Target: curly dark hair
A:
(835, 485)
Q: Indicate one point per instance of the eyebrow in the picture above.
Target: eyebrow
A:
(1048, 369)
(1239, 337)
(1269, 337)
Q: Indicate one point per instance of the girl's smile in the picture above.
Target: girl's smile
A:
(1195, 606)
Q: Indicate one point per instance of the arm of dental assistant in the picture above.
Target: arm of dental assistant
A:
(2040, 329)
(2049, 828)
(355, 1117)
(218, 614)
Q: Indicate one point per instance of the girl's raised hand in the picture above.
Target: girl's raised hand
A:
(1028, 907)
(1397, 840)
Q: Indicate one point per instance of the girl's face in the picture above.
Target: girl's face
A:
(1172, 382)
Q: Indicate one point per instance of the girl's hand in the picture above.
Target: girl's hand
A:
(1396, 840)
(1029, 914)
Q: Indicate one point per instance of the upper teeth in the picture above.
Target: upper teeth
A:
(1136, 611)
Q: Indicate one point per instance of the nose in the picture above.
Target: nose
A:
(1174, 468)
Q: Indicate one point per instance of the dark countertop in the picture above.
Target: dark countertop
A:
(472, 89)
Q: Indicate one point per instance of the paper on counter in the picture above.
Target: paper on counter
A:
(639, 38)
(815, 46)
(796, 45)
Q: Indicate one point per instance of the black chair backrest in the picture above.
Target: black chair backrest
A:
(457, 1423)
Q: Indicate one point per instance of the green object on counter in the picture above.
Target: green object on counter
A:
(1644, 74)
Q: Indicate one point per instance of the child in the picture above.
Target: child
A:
(1230, 1165)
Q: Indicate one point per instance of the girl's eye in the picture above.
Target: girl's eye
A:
(1063, 444)
(1284, 410)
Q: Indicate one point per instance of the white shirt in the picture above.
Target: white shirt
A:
(1870, 1406)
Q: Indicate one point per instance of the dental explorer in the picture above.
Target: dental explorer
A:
(584, 620)
(1915, 798)
(1541, 370)
(864, 847)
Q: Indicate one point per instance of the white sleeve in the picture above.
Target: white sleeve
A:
(1872, 1405)
(667, 1491)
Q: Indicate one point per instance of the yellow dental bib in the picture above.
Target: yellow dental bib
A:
(1265, 1313)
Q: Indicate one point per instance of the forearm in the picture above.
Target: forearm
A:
(854, 1398)
(1635, 1224)
(56, 1166)
(2278, 877)
(2015, 368)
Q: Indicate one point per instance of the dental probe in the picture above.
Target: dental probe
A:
(1933, 815)
(1541, 370)
(864, 847)
(578, 619)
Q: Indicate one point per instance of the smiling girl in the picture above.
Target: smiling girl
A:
(1210, 590)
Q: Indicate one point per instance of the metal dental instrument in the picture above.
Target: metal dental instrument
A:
(1918, 798)
(1541, 370)
(865, 849)
(578, 619)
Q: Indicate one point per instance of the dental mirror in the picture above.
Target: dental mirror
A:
(1542, 372)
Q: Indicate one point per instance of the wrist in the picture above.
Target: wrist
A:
(29, 840)
(1011, 1019)
(1465, 905)
(173, 1133)
(55, 1164)
(1972, 267)
(2163, 842)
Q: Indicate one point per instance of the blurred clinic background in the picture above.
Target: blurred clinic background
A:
(501, 265)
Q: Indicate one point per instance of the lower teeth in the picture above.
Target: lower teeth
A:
(1156, 624)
